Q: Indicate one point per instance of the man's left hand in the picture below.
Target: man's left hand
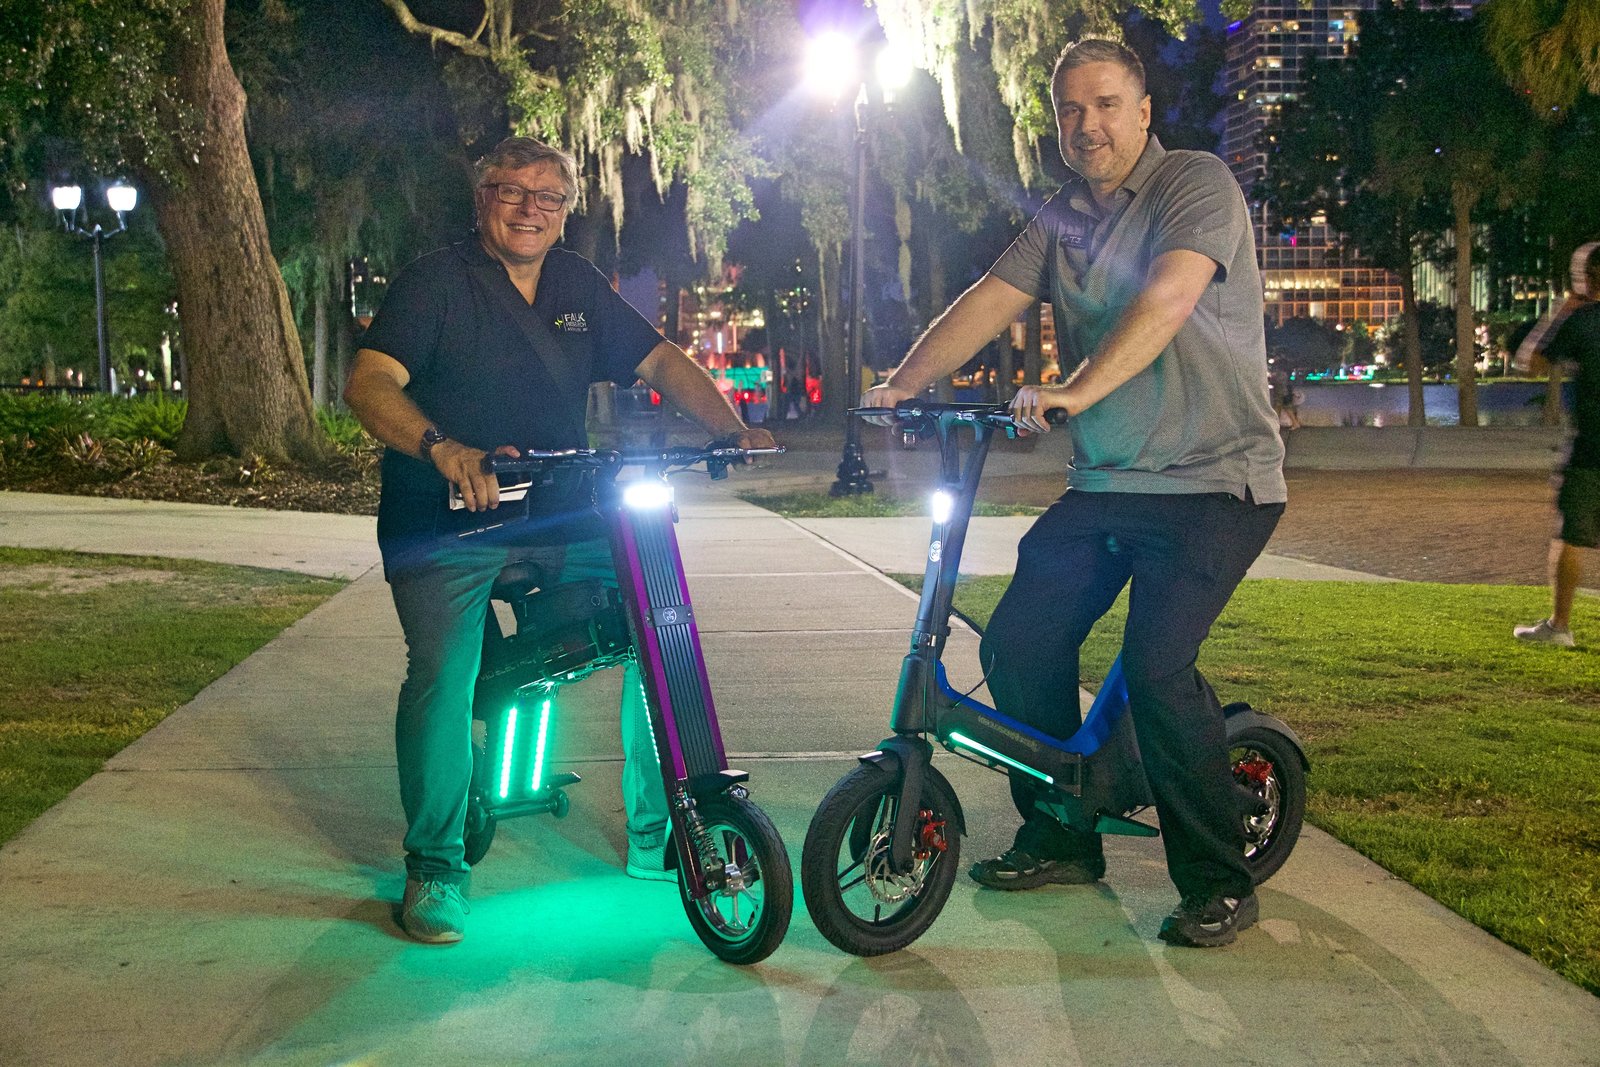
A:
(755, 437)
(1028, 407)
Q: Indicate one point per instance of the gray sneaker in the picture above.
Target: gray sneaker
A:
(649, 863)
(433, 912)
(1543, 633)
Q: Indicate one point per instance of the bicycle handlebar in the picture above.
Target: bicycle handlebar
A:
(996, 415)
(675, 457)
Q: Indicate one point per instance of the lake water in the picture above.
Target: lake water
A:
(1386, 403)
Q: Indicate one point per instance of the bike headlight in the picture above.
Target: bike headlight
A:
(643, 496)
(942, 505)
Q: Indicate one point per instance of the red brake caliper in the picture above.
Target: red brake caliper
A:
(930, 835)
(1255, 770)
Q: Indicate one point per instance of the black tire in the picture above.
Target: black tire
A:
(479, 833)
(744, 921)
(1267, 765)
(854, 901)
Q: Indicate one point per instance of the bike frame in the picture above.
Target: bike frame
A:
(1095, 777)
(641, 518)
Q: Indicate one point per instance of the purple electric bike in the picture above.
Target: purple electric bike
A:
(733, 869)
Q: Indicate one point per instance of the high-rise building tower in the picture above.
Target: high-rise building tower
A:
(1304, 272)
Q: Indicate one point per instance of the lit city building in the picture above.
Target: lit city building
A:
(1303, 271)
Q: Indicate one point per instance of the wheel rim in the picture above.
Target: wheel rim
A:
(734, 909)
(1253, 770)
(869, 888)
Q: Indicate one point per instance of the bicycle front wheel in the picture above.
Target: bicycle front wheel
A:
(743, 919)
(857, 900)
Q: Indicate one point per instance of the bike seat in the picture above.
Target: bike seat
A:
(516, 581)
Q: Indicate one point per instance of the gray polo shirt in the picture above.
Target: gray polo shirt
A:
(1199, 419)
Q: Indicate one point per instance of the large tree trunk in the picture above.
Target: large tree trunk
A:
(938, 299)
(319, 335)
(246, 381)
(1462, 200)
(1033, 345)
(1411, 348)
(838, 393)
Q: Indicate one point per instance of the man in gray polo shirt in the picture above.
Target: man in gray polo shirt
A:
(1176, 480)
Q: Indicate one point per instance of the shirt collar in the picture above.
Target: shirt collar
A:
(1078, 194)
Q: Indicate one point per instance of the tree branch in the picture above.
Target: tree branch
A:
(468, 45)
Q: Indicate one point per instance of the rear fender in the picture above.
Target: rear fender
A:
(1241, 716)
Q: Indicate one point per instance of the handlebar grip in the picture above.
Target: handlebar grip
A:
(1056, 416)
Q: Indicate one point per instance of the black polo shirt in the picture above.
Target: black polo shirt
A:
(457, 323)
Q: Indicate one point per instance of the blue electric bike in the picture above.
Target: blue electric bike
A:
(883, 849)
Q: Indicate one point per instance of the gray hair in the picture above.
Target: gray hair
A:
(514, 153)
(1097, 50)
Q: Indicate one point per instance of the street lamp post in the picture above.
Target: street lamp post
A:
(120, 198)
(833, 66)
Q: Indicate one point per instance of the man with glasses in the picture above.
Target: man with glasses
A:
(483, 347)
(1176, 478)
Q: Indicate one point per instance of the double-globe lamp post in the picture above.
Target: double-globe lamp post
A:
(833, 67)
(120, 198)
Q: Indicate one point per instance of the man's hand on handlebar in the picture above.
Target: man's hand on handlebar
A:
(463, 466)
(884, 396)
(754, 437)
(1031, 404)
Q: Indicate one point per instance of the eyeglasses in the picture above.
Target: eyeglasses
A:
(511, 193)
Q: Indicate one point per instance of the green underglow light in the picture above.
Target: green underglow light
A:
(963, 739)
(538, 748)
(505, 760)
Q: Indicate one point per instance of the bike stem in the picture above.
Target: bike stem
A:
(918, 698)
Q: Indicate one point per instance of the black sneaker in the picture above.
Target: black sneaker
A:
(1210, 922)
(1016, 869)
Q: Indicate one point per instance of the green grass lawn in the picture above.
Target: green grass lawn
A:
(98, 649)
(1465, 763)
(866, 506)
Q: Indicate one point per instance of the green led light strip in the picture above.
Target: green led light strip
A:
(985, 750)
(538, 748)
(505, 760)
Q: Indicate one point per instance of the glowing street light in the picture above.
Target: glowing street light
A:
(120, 198)
(833, 69)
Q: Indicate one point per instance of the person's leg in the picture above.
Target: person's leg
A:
(1067, 577)
(1189, 554)
(643, 797)
(1578, 506)
(441, 606)
(1566, 570)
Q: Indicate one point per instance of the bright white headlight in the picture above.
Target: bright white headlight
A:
(643, 496)
(941, 505)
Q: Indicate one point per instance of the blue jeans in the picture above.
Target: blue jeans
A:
(442, 607)
(1185, 554)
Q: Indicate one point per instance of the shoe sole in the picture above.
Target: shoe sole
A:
(1249, 912)
(1030, 881)
(448, 938)
(645, 874)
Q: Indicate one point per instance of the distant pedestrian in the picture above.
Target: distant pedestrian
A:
(1571, 334)
(1284, 401)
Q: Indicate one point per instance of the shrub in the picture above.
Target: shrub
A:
(156, 417)
(136, 457)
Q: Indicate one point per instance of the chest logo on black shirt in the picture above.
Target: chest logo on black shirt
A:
(572, 322)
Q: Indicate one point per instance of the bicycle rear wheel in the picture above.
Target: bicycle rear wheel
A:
(858, 903)
(1266, 764)
(742, 919)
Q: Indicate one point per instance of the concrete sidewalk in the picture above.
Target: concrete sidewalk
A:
(222, 892)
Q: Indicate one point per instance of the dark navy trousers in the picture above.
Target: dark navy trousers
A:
(1184, 554)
